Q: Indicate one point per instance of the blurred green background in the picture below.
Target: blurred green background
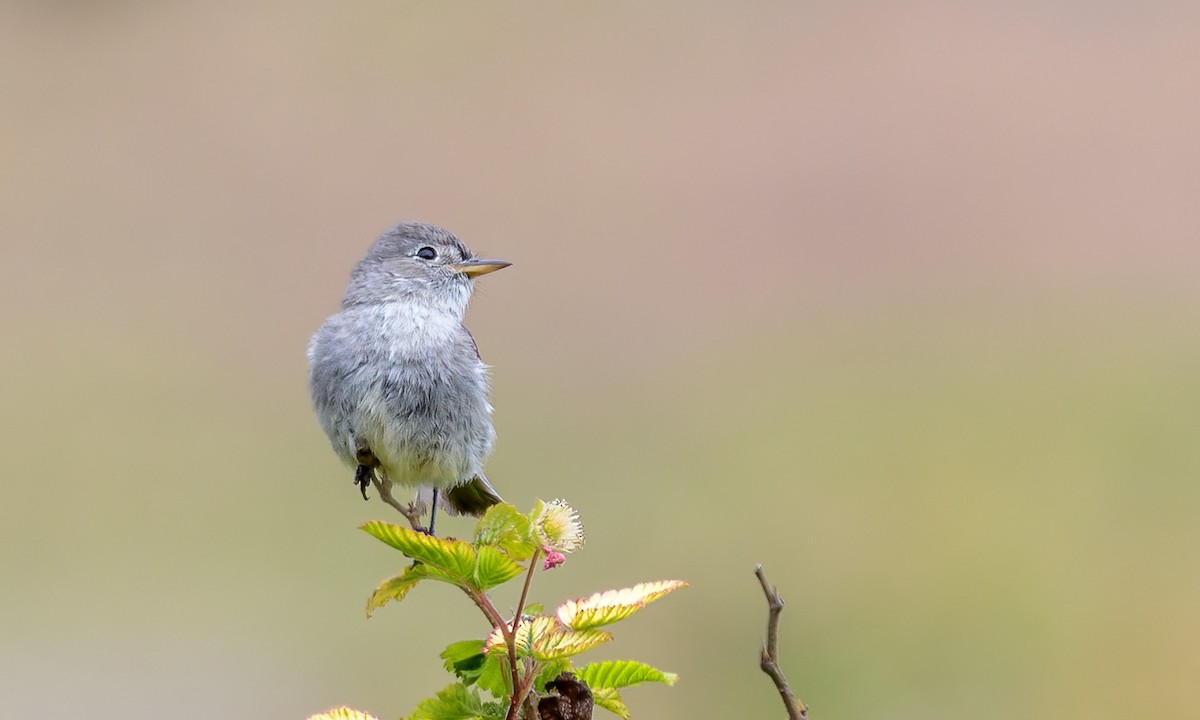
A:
(898, 299)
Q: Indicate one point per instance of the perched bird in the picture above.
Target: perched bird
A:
(396, 379)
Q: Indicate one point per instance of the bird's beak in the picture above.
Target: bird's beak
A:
(475, 268)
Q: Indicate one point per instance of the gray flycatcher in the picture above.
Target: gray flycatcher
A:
(396, 379)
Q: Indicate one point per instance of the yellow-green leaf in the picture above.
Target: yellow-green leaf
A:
(544, 638)
(568, 643)
(504, 527)
(455, 557)
(342, 713)
(622, 673)
(494, 568)
(530, 631)
(614, 605)
(396, 588)
(610, 700)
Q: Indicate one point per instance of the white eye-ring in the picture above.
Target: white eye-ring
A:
(427, 253)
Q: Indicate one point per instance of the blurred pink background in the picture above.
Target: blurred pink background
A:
(898, 299)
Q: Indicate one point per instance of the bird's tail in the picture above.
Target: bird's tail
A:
(472, 498)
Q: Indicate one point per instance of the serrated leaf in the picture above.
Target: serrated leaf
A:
(529, 631)
(583, 619)
(393, 589)
(610, 700)
(550, 671)
(544, 638)
(503, 526)
(622, 673)
(397, 588)
(613, 605)
(495, 676)
(568, 643)
(494, 568)
(461, 651)
(456, 558)
(464, 659)
(457, 702)
(343, 713)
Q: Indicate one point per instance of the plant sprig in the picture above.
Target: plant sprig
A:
(506, 675)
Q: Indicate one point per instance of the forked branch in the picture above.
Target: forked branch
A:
(770, 653)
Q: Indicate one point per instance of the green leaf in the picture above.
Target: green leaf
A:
(396, 588)
(610, 700)
(494, 568)
(343, 713)
(614, 605)
(534, 609)
(461, 651)
(495, 677)
(504, 527)
(455, 558)
(457, 702)
(550, 671)
(622, 673)
(465, 659)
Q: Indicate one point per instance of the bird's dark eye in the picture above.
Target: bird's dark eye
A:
(427, 253)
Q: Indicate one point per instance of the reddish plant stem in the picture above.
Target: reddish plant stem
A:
(520, 689)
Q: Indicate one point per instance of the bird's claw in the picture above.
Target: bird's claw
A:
(362, 478)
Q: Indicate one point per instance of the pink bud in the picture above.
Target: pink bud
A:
(553, 558)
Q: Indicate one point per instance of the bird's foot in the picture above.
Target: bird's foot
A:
(411, 511)
(362, 478)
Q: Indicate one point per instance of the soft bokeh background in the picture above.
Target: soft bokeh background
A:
(898, 299)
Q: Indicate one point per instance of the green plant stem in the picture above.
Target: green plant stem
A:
(520, 689)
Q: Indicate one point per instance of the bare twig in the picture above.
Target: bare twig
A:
(770, 654)
(410, 511)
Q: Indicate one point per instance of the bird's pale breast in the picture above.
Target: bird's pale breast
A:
(414, 391)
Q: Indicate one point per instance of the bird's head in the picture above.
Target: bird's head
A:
(419, 263)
